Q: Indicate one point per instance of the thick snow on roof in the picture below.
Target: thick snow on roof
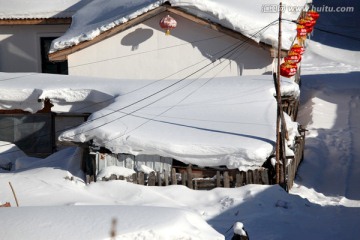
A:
(246, 17)
(21, 9)
(208, 122)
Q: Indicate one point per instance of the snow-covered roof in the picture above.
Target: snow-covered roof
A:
(245, 17)
(208, 122)
(30, 9)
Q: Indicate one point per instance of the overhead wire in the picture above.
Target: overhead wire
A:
(130, 92)
(157, 92)
(171, 107)
(146, 52)
(62, 130)
(163, 78)
(161, 90)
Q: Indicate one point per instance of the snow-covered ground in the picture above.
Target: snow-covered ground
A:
(323, 204)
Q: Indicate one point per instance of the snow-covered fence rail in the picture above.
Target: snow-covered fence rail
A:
(191, 177)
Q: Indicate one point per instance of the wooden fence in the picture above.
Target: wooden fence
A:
(206, 179)
(226, 179)
(295, 161)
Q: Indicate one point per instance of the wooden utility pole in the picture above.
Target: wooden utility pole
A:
(278, 99)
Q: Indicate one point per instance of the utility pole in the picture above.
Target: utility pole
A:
(279, 108)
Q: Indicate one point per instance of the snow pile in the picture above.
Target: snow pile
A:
(199, 121)
(9, 153)
(68, 158)
(148, 223)
(20, 9)
(118, 171)
(324, 204)
(210, 126)
(25, 99)
(239, 229)
(67, 94)
(100, 16)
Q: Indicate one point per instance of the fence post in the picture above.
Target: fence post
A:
(238, 180)
(183, 178)
(158, 176)
(226, 179)
(173, 176)
(134, 178)
(189, 177)
(218, 179)
(264, 176)
(140, 178)
(166, 178)
(249, 177)
(152, 179)
(256, 176)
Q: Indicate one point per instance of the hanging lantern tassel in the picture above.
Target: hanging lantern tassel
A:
(168, 23)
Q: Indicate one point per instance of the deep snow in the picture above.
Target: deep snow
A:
(323, 204)
(197, 121)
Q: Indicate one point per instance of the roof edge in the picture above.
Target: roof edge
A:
(36, 21)
(61, 55)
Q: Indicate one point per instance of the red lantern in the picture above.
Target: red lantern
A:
(301, 31)
(297, 48)
(168, 23)
(288, 69)
(312, 13)
(310, 20)
(293, 57)
(307, 24)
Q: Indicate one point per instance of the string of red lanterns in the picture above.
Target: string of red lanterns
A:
(305, 26)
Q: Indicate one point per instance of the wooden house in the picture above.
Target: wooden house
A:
(200, 47)
(27, 29)
(138, 48)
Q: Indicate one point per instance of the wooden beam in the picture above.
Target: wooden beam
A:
(36, 21)
(61, 55)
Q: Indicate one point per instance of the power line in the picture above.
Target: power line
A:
(130, 92)
(168, 109)
(62, 130)
(145, 52)
(338, 34)
(157, 92)
(22, 76)
(166, 77)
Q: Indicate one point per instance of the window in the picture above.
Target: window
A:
(32, 133)
(46, 65)
(36, 134)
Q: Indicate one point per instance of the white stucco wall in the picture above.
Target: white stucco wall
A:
(144, 52)
(20, 46)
